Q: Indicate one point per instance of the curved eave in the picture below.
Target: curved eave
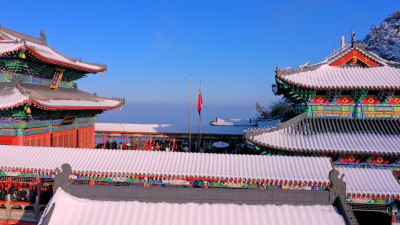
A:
(65, 64)
(324, 151)
(49, 107)
(236, 180)
(337, 87)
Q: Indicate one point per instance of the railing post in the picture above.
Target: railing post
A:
(36, 208)
(8, 207)
(38, 188)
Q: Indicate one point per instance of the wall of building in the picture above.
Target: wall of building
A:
(42, 140)
(351, 110)
(72, 138)
(86, 137)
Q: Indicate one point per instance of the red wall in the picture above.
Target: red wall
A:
(6, 140)
(81, 138)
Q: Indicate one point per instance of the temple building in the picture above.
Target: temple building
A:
(349, 106)
(348, 110)
(40, 104)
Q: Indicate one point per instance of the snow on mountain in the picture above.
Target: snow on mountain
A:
(384, 39)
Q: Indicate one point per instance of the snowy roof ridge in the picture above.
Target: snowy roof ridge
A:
(27, 41)
(314, 170)
(369, 182)
(335, 56)
(12, 33)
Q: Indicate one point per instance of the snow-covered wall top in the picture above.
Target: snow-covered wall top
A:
(72, 210)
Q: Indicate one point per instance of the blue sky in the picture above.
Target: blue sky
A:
(231, 46)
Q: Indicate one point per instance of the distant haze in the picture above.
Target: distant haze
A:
(175, 113)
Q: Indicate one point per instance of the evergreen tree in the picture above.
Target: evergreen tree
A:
(384, 40)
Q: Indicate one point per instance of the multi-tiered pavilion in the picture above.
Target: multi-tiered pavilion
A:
(40, 104)
(349, 110)
(349, 107)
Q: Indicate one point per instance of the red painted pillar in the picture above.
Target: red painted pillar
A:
(104, 141)
(92, 137)
(48, 139)
(74, 134)
(19, 140)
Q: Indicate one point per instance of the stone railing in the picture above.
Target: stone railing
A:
(21, 211)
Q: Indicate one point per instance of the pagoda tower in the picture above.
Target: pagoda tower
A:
(349, 110)
(40, 104)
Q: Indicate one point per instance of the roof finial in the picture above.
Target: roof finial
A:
(43, 36)
(343, 42)
(353, 38)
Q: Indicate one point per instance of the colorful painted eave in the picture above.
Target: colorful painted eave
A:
(65, 107)
(15, 41)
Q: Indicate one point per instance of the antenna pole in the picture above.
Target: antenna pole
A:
(198, 144)
(190, 112)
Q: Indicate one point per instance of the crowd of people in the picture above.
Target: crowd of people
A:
(175, 145)
(18, 193)
(24, 192)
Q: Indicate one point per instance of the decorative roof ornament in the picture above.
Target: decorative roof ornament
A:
(343, 42)
(353, 39)
(43, 36)
(305, 65)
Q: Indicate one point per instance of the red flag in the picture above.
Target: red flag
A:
(200, 101)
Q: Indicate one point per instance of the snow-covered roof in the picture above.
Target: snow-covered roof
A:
(10, 95)
(325, 76)
(167, 129)
(234, 122)
(71, 210)
(13, 94)
(169, 164)
(363, 182)
(354, 77)
(344, 135)
(13, 41)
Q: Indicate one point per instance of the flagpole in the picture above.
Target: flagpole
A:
(198, 146)
(190, 113)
